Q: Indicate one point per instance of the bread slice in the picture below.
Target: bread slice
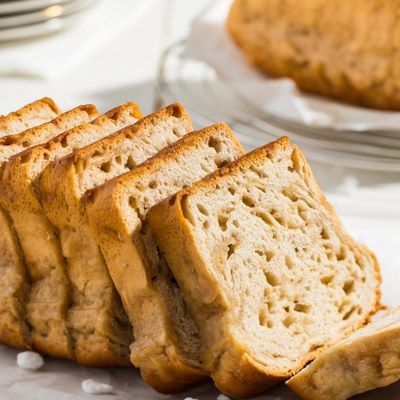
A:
(95, 304)
(13, 328)
(268, 272)
(166, 346)
(33, 114)
(368, 359)
(48, 296)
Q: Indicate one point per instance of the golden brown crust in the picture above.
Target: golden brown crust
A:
(36, 113)
(175, 236)
(309, 41)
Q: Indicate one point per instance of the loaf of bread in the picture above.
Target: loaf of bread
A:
(48, 290)
(13, 328)
(33, 114)
(96, 314)
(368, 359)
(166, 347)
(268, 272)
(346, 49)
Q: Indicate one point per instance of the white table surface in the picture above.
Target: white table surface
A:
(125, 70)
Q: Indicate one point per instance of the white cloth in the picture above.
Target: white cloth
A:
(52, 57)
(209, 42)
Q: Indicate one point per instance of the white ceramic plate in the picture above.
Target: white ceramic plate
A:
(43, 15)
(17, 6)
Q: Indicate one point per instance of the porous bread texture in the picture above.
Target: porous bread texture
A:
(48, 296)
(325, 46)
(33, 114)
(13, 328)
(166, 347)
(269, 273)
(368, 359)
(95, 304)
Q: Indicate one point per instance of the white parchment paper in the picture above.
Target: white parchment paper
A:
(210, 43)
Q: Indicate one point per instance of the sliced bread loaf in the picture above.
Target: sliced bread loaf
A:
(13, 328)
(368, 359)
(33, 114)
(269, 274)
(166, 346)
(48, 296)
(95, 304)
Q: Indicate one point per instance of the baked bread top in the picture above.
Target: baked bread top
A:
(33, 114)
(327, 47)
(268, 272)
(366, 360)
(166, 347)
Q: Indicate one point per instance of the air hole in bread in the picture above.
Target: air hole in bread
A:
(133, 204)
(341, 255)
(153, 184)
(290, 195)
(349, 313)
(130, 163)
(264, 217)
(206, 224)
(64, 142)
(315, 346)
(46, 156)
(288, 321)
(222, 222)
(216, 144)
(271, 278)
(176, 111)
(263, 319)
(325, 234)
(289, 262)
(248, 201)
(235, 223)
(279, 218)
(260, 172)
(26, 143)
(232, 190)
(302, 308)
(326, 280)
(106, 167)
(202, 209)
(118, 160)
(348, 286)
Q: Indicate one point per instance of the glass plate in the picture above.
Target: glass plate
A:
(209, 100)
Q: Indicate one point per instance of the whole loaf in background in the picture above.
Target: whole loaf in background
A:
(346, 49)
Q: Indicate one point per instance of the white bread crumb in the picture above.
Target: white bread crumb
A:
(223, 397)
(29, 360)
(92, 387)
(189, 398)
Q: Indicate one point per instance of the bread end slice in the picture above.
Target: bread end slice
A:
(35, 113)
(268, 272)
(366, 360)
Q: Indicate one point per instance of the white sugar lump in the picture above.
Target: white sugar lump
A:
(92, 387)
(29, 360)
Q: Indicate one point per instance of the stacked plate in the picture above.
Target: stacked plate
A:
(208, 99)
(23, 19)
